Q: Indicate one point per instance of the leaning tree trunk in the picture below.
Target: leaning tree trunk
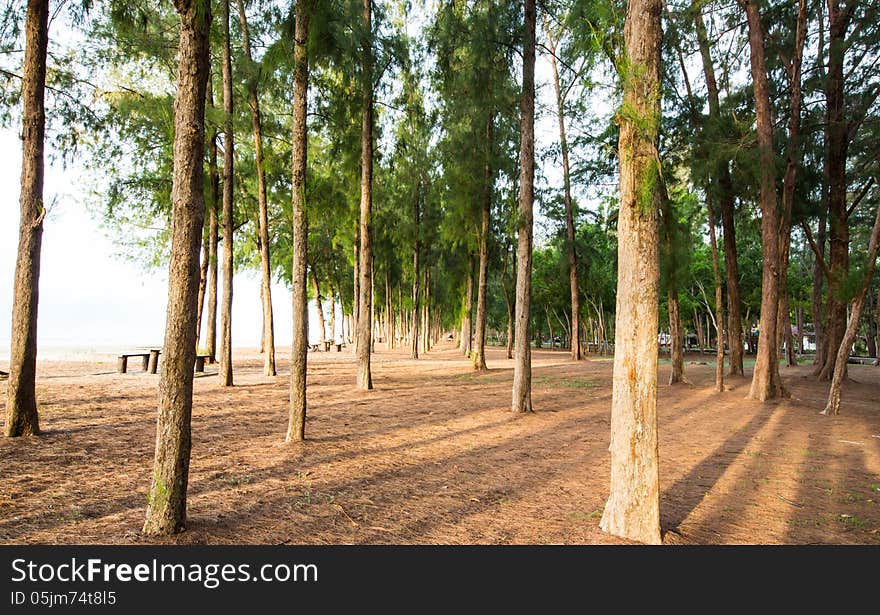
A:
(296, 427)
(225, 372)
(365, 303)
(213, 240)
(766, 382)
(833, 405)
(479, 355)
(166, 502)
(633, 507)
(268, 343)
(22, 416)
(203, 285)
(467, 329)
(724, 187)
(522, 368)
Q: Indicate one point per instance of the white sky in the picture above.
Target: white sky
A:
(88, 298)
(91, 299)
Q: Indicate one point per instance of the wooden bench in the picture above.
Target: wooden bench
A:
(200, 362)
(339, 347)
(122, 361)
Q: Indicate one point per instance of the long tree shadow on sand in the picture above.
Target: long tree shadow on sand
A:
(680, 500)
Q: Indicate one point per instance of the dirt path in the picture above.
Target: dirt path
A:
(433, 456)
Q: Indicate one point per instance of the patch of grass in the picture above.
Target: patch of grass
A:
(575, 382)
(596, 514)
(238, 480)
(851, 522)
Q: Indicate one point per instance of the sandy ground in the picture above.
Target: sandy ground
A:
(433, 455)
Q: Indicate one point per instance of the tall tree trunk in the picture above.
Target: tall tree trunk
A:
(837, 147)
(365, 304)
(426, 307)
(676, 338)
(263, 214)
(877, 321)
(816, 305)
(723, 185)
(213, 239)
(872, 330)
(633, 507)
(319, 305)
(576, 350)
(479, 355)
(467, 330)
(225, 372)
(719, 306)
(793, 158)
(508, 300)
(332, 336)
(389, 311)
(698, 325)
(414, 330)
(766, 382)
(356, 293)
(522, 368)
(296, 427)
(858, 303)
(203, 284)
(166, 502)
(22, 415)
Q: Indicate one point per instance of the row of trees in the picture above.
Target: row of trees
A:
(386, 164)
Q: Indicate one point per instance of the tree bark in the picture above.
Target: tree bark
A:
(766, 382)
(522, 368)
(365, 303)
(873, 324)
(414, 331)
(479, 355)
(633, 507)
(858, 303)
(213, 240)
(296, 427)
(719, 305)
(225, 371)
(793, 158)
(166, 502)
(817, 308)
(268, 342)
(356, 293)
(332, 311)
(319, 305)
(22, 414)
(676, 338)
(509, 301)
(203, 284)
(836, 154)
(467, 330)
